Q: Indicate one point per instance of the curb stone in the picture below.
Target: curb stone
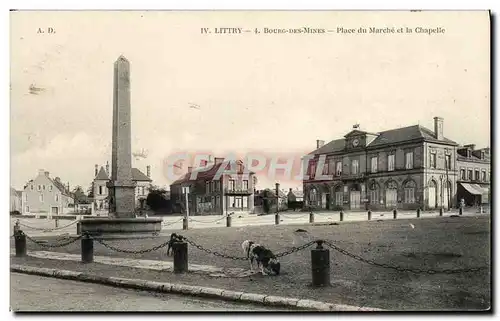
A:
(144, 285)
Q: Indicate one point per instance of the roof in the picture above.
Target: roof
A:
(13, 192)
(137, 175)
(61, 187)
(204, 174)
(297, 193)
(387, 137)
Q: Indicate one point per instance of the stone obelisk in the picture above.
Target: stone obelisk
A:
(121, 186)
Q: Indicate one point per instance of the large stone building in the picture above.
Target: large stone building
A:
(474, 173)
(210, 193)
(46, 195)
(100, 191)
(411, 167)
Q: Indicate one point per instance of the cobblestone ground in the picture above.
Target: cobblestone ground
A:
(31, 293)
(425, 243)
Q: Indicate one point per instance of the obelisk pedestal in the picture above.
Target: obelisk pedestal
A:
(121, 187)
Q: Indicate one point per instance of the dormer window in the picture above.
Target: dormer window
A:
(468, 153)
(482, 155)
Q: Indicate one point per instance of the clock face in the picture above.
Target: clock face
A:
(355, 142)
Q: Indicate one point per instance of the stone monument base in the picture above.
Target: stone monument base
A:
(110, 227)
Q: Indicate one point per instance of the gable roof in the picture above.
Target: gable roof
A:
(61, 187)
(137, 175)
(388, 137)
(297, 193)
(204, 174)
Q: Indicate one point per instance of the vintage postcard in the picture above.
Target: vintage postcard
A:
(250, 161)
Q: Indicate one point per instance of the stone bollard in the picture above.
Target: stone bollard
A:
(56, 222)
(180, 250)
(418, 212)
(395, 213)
(311, 217)
(20, 243)
(276, 219)
(460, 211)
(369, 215)
(441, 211)
(341, 216)
(78, 228)
(87, 249)
(228, 221)
(184, 223)
(320, 266)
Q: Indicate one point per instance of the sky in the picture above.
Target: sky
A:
(234, 93)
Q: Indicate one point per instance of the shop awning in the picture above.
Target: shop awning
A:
(472, 189)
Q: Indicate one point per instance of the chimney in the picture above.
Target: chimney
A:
(319, 143)
(290, 190)
(148, 171)
(67, 186)
(438, 128)
(96, 170)
(107, 168)
(47, 173)
(57, 179)
(190, 169)
(41, 172)
(218, 160)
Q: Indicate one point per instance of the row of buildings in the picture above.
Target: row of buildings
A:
(406, 168)
(44, 194)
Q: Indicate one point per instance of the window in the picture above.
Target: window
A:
(410, 192)
(433, 160)
(339, 196)
(476, 176)
(338, 168)
(355, 166)
(231, 184)
(482, 155)
(50, 188)
(207, 187)
(41, 198)
(27, 209)
(312, 169)
(483, 178)
(56, 198)
(100, 190)
(31, 186)
(312, 197)
(331, 166)
(245, 185)
(39, 187)
(409, 160)
(217, 201)
(43, 186)
(469, 174)
(245, 201)
(447, 159)
(240, 168)
(390, 162)
(325, 168)
(26, 197)
(374, 164)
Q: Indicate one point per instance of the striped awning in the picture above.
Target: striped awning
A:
(472, 189)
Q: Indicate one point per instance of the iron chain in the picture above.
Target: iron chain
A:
(192, 220)
(403, 269)
(70, 241)
(172, 223)
(47, 229)
(155, 248)
(295, 249)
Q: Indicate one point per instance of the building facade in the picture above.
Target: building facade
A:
(100, 190)
(404, 168)
(16, 201)
(211, 193)
(474, 175)
(46, 195)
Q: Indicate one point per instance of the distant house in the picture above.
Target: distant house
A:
(15, 200)
(295, 199)
(100, 190)
(46, 195)
(265, 201)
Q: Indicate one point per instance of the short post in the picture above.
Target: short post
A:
(180, 250)
(418, 212)
(56, 222)
(395, 213)
(228, 221)
(441, 211)
(87, 249)
(20, 243)
(311, 217)
(460, 210)
(320, 265)
(481, 209)
(369, 215)
(276, 219)
(185, 223)
(78, 228)
(341, 215)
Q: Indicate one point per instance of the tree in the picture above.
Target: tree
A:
(79, 196)
(157, 198)
(90, 190)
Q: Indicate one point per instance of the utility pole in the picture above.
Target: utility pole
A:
(277, 198)
(186, 191)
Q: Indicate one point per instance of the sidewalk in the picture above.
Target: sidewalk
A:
(437, 243)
